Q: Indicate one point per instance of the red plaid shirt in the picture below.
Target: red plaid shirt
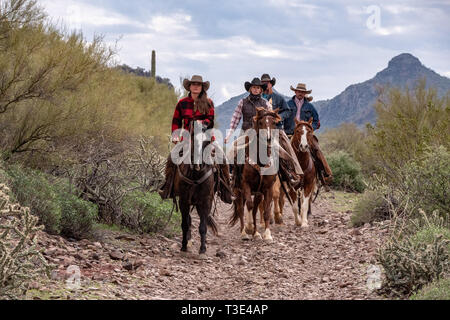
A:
(184, 114)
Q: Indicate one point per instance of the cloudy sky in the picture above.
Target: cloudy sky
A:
(326, 44)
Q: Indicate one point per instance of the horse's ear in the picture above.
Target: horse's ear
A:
(276, 110)
(277, 119)
(297, 122)
(259, 110)
(310, 121)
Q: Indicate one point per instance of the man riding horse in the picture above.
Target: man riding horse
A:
(246, 110)
(195, 107)
(301, 108)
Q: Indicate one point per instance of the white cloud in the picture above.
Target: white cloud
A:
(77, 14)
(171, 24)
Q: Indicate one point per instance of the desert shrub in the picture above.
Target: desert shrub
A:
(410, 265)
(146, 213)
(78, 216)
(346, 172)
(409, 122)
(20, 260)
(347, 137)
(372, 206)
(426, 181)
(51, 200)
(33, 189)
(417, 254)
(438, 290)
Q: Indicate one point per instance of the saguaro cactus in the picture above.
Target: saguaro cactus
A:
(153, 64)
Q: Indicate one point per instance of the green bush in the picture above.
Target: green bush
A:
(346, 172)
(438, 290)
(408, 122)
(57, 209)
(33, 189)
(416, 255)
(426, 181)
(145, 212)
(429, 234)
(78, 216)
(372, 206)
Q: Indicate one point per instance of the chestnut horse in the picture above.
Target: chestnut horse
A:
(250, 181)
(301, 142)
(195, 186)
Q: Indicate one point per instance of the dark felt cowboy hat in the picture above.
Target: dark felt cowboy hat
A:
(195, 79)
(266, 77)
(255, 82)
(301, 87)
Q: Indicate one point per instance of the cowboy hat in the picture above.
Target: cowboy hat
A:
(266, 77)
(301, 87)
(196, 79)
(255, 82)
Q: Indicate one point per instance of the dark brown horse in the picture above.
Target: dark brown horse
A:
(250, 180)
(194, 184)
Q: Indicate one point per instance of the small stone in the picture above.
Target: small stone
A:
(116, 255)
(220, 254)
(95, 256)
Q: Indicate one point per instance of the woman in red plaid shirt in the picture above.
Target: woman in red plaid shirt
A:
(196, 106)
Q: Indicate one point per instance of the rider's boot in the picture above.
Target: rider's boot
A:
(166, 190)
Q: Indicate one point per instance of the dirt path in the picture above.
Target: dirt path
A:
(327, 261)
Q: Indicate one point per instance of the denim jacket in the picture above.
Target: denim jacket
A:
(308, 111)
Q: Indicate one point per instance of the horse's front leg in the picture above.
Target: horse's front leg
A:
(185, 224)
(267, 208)
(256, 206)
(304, 209)
(203, 210)
(248, 208)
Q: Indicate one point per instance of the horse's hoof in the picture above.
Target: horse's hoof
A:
(202, 256)
(298, 223)
(190, 244)
(268, 236)
(245, 236)
(249, 230)
(304, 226)
(185, 254)
(279, 221)
(257, 236)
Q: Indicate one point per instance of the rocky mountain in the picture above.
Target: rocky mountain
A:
(356, 103)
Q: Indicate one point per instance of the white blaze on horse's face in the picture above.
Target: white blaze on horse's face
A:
(199, 138)
(268, 129)
(304, 141)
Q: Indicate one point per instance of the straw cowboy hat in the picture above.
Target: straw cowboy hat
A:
(266, 77)
(196, 79)
(255, 82)
(301, 87)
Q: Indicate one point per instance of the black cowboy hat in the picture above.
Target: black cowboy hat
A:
(266, 77)
(255, 82)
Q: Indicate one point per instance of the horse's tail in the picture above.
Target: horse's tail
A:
(235, 216)
(213, 225)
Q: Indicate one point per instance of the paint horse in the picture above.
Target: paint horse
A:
(194, 184)
(249, 180)
(302, 201)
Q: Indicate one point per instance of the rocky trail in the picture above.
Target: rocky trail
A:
(329, 260)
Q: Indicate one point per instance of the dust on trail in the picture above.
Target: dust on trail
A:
(328, 260)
